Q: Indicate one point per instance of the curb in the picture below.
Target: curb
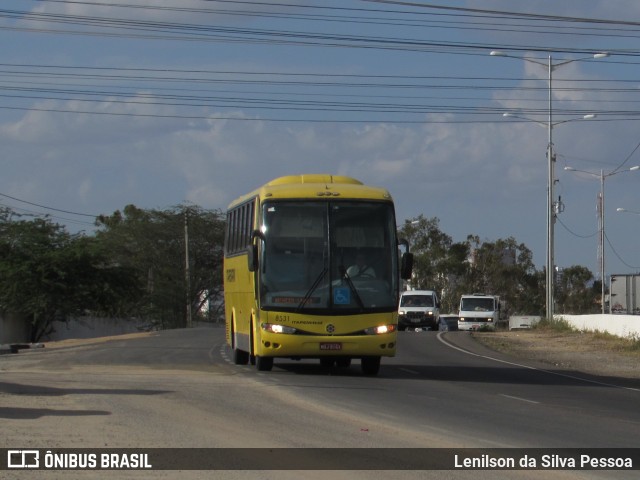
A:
(16, 347)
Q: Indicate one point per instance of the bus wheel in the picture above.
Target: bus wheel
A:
(370, 365)
(264, 364)
(240, 357)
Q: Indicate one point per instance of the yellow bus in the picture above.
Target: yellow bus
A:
(312, 269)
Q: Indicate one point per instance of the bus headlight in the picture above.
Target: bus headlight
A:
(275, 328)
(380, 330)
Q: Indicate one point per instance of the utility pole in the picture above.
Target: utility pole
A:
(601, 239)
(600, 210)
(551, 214)
(553, 208)
(187, 272)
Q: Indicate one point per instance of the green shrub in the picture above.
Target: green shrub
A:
(556, 325)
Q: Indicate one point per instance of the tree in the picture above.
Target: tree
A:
(505, 268)
(46, 274)
(575, 291)
(429, 246)
(152, 242)
(439, 264)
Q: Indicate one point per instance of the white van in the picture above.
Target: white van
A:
(418, 309)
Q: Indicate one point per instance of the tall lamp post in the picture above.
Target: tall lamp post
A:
(627, 211)
(550, 264)
(601, 237)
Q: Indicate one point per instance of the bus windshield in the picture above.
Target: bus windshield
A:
(328, 257)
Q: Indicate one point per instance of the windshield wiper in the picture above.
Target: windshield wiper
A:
(315, 284)
(352, 287)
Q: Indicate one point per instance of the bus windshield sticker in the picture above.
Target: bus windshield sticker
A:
(341, 296)
(296, 300)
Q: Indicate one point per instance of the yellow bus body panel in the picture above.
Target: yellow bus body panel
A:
(316, 186)
(239, 298)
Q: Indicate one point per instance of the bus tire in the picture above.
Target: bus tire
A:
(252, 356)
(370, 365)
(264, 364)
(240, 357)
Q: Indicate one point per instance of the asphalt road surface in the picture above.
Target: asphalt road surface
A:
(179, 389)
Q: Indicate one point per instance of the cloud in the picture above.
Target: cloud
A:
(195, 11)
(217, 159)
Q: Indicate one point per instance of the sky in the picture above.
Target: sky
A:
(157, 103)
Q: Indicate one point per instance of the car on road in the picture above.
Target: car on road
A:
(448, 322)
(418, 309)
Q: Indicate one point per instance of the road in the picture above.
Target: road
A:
(179, 389)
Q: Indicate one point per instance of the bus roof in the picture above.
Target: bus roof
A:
(315, 186)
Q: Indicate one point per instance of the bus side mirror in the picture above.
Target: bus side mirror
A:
(406, 266)
(252, 250)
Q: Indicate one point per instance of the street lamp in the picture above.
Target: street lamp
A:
(552, 208)
(544, 124)
(602, 176)
(627, 211)
(551, 214)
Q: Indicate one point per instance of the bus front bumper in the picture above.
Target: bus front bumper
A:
(308, 346)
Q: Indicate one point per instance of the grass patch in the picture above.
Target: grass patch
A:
(618, 344)
(554, 325)
(559, 336)
(598, 339)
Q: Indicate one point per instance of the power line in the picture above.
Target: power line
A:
(574, 233)
(328, 99)
(35, 214)
(48, 208)
(203, 32)
(303, 80)
(618, 255)
(511, 14)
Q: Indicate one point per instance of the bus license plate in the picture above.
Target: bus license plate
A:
(330, 346)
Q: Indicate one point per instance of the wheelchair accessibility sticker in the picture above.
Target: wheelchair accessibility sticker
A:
(341, 296)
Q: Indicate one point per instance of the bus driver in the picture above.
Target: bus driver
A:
(361, 269)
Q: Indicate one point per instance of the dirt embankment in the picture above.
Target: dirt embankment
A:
(593, 353)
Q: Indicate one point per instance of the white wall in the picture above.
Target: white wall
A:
(16, 330)
(93, 327)
(620, 325)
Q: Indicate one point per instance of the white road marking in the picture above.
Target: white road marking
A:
(595, 382)
(517, 398)
(413, 372)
